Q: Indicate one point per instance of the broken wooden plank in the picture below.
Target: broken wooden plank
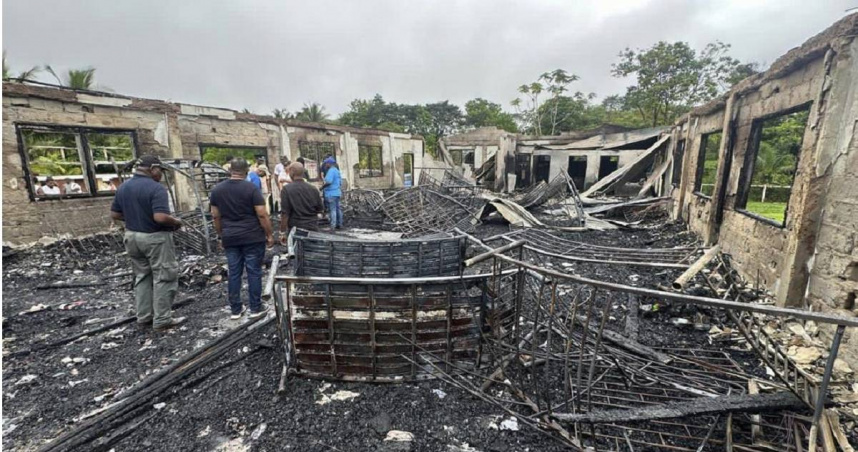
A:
(695, 407)
(695, 268)
(626, 172)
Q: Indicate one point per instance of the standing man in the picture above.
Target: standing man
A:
(252, 176)
(72, 187)
(142, 203)
(333, 193)
(244, 228)
(300, 203)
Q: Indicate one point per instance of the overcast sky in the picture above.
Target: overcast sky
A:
(266, 54)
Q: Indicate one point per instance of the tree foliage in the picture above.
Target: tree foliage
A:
(312, 112)
(432, 121)
(533, 118)
(76, 78)
(483, 113)
(672, 77)
(23, 76)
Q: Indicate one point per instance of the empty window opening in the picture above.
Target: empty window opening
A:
(707, 164)
(522, 170)
(578, 170)
(608, 164)
(542, 168)
(468, 157)
(408, 169)
(770, 165)
(74, 162)
(370, 164)
(678, 158)
(314, 153)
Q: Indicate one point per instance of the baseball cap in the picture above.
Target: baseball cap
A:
(149, 161)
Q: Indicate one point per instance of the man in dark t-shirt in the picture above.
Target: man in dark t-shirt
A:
(300, 203)
(141, 203)
(242, 223)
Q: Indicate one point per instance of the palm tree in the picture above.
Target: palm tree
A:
(313, 112)
(76, 78)
(26, 76)
(282, 113)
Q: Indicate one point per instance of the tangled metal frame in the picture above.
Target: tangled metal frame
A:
(420, 210)
(551, 245)
(585, 383)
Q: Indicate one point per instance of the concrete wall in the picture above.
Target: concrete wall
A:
(812, 260)
(170, 131)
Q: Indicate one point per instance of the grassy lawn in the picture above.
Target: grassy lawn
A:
(772, 210)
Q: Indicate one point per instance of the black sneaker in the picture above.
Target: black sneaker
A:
(258, 314)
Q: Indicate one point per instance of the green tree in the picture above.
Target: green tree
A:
(431, 121)
(534, 118)
(482, 113)
(282, 113)
(76, 78)
(780, 144)
(25, 76)
(672, 77)
(568, 113)
(741, 72)
(313, 112)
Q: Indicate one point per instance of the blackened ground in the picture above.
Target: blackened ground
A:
(68, 381)
(228, 408)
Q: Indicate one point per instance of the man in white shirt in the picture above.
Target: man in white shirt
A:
(72, 188)
(50, 188)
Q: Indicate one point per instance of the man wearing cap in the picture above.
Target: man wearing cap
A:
(242, 223)
(142, 203)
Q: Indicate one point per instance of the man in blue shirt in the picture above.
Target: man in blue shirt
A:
(332, 193)
(141, 203)
(254, 178)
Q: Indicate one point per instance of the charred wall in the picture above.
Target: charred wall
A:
(168, 130)
(811, 259)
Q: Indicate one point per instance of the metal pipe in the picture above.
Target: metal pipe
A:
(489, 254)
(695, 268)
(823, 387)
(272, 274)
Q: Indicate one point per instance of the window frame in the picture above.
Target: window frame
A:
(701, 164)
(749, 164)
(314, 176)
(87, 163)
(362, 147)
(678, 160)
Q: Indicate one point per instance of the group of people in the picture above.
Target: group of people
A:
(49, 187)
(240, 212)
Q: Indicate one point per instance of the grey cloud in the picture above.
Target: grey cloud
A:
(266, 54)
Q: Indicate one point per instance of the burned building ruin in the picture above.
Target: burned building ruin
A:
(608, 289)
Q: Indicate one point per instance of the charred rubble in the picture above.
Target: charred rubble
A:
(484, 328)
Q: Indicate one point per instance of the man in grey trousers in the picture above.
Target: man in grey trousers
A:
(142, 203)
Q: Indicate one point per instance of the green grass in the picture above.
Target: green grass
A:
(772, 210)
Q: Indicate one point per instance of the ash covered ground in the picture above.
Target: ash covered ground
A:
(231, 404)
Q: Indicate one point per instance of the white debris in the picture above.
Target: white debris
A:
(337, 396)
(258, 431)
(441, 394)
(74, 372)
(804, 355)
(35, 308)
(109, 345)
(77, 382)
(399, 435)
(204, 432)
(510, 424)
(159, 406)
(324, 387)
(26, 379)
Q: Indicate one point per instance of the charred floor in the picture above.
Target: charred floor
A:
(558, 363)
